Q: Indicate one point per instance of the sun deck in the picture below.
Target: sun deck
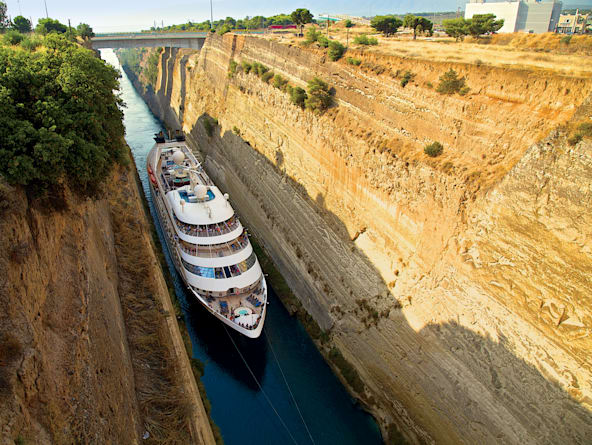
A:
(244, 308)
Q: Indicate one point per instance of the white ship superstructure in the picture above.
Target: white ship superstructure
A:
(209, 245)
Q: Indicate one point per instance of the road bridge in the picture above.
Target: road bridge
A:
(193, 40)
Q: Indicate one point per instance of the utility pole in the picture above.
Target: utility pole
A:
(19, 5)
(46, 14)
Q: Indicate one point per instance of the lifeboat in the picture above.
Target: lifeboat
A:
(149, 170)
(152, 179)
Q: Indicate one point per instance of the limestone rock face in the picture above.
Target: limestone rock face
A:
(459, 287)
(68, 374)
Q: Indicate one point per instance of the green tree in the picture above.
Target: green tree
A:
(348, 24)
(298, 95)
(22, 24)
(417, 24)
(45, 26)
(319, 96)
(386, 24)
(4, 22)
(85, 31)
(457, 28)
(450, 83)
(60, 120)
(481, 24)
(301, 17)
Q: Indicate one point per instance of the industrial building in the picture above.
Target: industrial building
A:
(535, 16)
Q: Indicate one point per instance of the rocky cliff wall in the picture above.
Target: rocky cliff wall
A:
(457, 286)
(77, 365)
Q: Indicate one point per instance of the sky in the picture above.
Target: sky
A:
(135, 15)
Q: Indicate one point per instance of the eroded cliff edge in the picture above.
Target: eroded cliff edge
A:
(90, 349)
(459, 287)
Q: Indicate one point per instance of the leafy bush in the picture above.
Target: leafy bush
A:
(297, 95)
(319, 97)
(434, 149)
(246, 66)
(336, 50)
(223, 29)
(232, 68)
(323, 41)
(312, 35)
(60, 118)
(353, 61)
(259, 69)
(429, 85)
(236, 130)
(266, 77)
(575, 139)
(585, 129)
(406, 78)
(31, 43)
(363, 39)
(279, 82)
(450, 83)
(12, 37)
(565, 40)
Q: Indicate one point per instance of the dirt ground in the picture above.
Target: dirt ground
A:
(519, 50)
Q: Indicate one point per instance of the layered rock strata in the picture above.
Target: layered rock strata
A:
(459, 287)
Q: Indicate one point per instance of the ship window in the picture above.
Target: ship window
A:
(222, 272)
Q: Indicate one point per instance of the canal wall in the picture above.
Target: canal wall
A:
(458, 287)
(90, 350)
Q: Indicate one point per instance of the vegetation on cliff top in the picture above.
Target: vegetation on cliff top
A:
(61, 120)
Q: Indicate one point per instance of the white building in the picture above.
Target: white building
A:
(525, 15)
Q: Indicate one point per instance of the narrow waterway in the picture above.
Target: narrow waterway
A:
(246, 413)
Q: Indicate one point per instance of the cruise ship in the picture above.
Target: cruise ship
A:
(208, 244)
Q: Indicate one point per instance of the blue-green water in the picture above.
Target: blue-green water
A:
(239, 406)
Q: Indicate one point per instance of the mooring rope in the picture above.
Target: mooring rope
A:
(289, 389)
(259, 385)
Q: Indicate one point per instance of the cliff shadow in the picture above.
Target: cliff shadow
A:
(474, 388)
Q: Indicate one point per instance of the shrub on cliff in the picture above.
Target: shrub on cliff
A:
(209, 125)
(353, 61)
(297, 95)
(450, 83)
(279, 82)
(266, 77)
(407, 77)
(246, 66)
(60, 120)
(575, 139)
(319, 96)
(585, 129)
(336, 50)
(434, 149)
(232, 66)
(323, 41)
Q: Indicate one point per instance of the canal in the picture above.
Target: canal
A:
(249, 414)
